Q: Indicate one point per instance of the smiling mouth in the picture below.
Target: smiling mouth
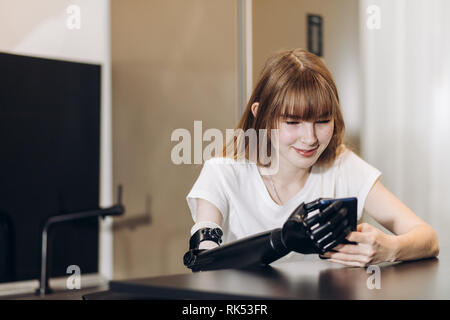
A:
(306, 150)
(306, 153)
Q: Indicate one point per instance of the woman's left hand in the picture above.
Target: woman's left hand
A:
(372, 247)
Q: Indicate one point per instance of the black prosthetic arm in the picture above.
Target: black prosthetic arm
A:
(315, 227)
(262, 248)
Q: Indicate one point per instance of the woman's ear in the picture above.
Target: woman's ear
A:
(255, 108)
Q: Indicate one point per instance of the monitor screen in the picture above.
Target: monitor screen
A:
(49, 164)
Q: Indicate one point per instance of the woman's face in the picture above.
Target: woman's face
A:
(302, 142)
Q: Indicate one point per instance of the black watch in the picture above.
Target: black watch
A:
(204, 234)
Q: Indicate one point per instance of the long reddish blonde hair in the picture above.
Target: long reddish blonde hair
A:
(292, 82)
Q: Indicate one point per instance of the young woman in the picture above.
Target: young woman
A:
(296, 95)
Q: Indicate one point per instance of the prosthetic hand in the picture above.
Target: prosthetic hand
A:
(314, 227)
(305, 232)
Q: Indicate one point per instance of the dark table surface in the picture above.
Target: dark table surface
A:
(311, 279)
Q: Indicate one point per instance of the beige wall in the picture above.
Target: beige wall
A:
(282, 24)
(173, 62)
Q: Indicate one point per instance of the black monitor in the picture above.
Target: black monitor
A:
(49, 163)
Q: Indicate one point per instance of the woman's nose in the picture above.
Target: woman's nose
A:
(308, 134)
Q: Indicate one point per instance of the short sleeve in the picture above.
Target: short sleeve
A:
(356, 178)
(210, 185)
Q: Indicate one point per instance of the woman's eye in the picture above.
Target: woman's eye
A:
(297, 122)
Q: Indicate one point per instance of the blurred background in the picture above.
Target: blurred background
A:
(167, 63)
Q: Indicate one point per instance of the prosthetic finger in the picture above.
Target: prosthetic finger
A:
(330, 225)
(338, 231)
(334, 236)
(332, 239)
(338, 240)
(324, 215)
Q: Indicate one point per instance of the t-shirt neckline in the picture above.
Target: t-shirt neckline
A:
(268, 198)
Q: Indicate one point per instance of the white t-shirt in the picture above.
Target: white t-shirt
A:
(238, 191)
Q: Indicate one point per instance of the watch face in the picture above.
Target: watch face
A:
(217, 232)
(211, 234)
